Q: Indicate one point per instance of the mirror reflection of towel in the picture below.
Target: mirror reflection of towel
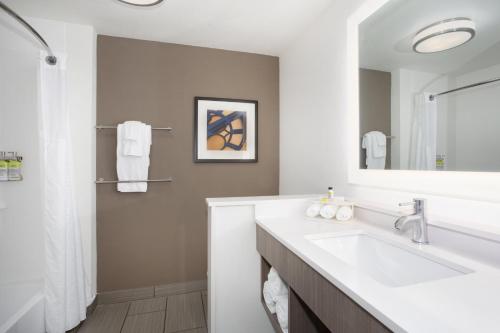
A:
(375, 143)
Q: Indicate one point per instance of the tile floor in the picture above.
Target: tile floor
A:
(184, 313)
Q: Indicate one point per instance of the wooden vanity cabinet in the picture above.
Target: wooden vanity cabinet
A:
(315, 304)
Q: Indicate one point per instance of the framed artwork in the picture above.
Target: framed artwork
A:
(225, 130)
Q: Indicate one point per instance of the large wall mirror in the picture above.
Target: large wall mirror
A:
(429, 86)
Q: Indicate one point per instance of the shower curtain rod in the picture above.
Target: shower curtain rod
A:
(432, 97)
(51, 58)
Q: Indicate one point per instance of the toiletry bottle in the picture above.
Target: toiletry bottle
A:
(331, 193)
(4, 167)
(14, 167)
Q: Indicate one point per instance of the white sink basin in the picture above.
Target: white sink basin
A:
(389, 263)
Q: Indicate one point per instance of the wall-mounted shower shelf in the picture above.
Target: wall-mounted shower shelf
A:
(10, 181)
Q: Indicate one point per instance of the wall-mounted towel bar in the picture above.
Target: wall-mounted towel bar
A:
(102, 181)
(154, 128)
(387, 136)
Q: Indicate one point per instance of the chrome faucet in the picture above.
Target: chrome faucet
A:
(418, 220)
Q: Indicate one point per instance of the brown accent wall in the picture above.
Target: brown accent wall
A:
(374, 108)
(160, 237)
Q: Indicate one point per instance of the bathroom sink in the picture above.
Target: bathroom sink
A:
(387, 262)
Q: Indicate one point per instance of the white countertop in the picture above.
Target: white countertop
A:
(466, 303)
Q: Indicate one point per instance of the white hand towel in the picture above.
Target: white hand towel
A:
(132, 167)
(282, 311)
(134, 134)
(375, 144)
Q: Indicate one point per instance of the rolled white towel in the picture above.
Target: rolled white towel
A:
(328, 211)
(276, 286)
(282, 311)
(268, 298)
(273, 274)
(344, 213)
(313, 210)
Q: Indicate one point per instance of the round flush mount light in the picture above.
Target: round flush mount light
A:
(444, 35)
(141, 3)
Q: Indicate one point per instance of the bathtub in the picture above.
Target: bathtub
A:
(22, 308)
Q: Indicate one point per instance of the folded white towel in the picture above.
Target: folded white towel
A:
(134, 136)
(268, 298)
(130, 166)
(282, 311)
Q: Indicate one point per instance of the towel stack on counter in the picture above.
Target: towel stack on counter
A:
(276, 297)
(334, 208)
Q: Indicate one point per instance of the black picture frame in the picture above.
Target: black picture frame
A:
(195, 136)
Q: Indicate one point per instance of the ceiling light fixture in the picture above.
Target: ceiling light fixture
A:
(141, 3)
(444, 35)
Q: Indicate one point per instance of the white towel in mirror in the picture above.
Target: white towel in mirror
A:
(375, 143)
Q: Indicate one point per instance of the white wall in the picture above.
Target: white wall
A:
(21, 230)
(313, 108)
(477, 122)
(19, 128)
(314, 125)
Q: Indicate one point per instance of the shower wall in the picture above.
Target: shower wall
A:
(21, 244)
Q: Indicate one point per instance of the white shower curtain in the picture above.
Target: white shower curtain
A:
(423, 133)
(66, 286)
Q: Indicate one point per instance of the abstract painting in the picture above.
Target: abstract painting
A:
(225, 130)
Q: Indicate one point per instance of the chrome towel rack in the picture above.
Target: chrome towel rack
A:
(103, 181)
(390, 137)
(99, 127)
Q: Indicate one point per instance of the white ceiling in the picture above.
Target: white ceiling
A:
(258, 26)
(385, 38)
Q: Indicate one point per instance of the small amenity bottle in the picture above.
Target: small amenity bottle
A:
(331, 193)
(4, 168)
(14, 167)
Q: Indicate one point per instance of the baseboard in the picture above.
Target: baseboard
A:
(180, 288)
(127, 295)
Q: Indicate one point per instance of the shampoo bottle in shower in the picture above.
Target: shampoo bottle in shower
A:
(4, 167)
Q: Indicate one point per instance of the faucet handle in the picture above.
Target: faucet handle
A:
(406, 211)
(417, 204)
